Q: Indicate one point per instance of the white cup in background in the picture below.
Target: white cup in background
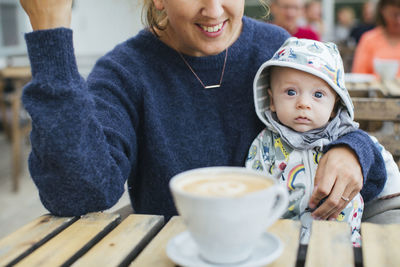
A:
(386, 68)
(227, 209)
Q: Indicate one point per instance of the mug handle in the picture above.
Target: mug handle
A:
(281, 203)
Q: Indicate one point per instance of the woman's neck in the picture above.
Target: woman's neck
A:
(393, 39)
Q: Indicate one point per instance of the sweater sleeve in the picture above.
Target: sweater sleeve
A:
(371, 161)
(392, 185)
(80, 157)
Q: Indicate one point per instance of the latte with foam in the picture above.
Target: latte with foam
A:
(227, 209)
(224, 185)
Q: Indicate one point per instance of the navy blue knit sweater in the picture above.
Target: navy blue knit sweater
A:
(142, 116)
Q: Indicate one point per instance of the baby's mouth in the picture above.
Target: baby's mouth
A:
(302, 119)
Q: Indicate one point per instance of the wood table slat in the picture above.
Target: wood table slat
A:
(392, 87)
(71, 243)
(288, 232)
(16, 72)
(376, 88)
(330, 245)
(380, 244)
(379, 109)
(122, 244)
(26, 239)
(366, 89)
(154, 254)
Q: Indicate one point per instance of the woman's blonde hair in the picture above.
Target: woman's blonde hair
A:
(153, 18)
(264, 4)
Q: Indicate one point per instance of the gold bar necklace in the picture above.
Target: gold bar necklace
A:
(208, 86)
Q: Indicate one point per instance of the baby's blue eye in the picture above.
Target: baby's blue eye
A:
(291, 92)
(318, 95)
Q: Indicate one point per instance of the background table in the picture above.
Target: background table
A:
(103, 239)
(377, 109)
(16, 128)
(374, 88)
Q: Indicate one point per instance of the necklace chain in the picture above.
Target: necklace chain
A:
(194, 73)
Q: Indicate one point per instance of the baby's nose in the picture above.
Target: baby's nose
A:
(303, 103)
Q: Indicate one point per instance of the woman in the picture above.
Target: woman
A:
(175, 97)
(382, 42)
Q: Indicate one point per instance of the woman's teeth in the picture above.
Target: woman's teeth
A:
(212, 29)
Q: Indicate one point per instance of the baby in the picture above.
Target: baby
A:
(301, 98)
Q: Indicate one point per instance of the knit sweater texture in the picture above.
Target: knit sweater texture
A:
(142, 116)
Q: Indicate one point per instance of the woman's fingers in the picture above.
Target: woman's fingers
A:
(332, 203)
(324, 180)
(338, 174)
(344, 203)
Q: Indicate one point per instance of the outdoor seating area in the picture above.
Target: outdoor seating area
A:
(205, 133)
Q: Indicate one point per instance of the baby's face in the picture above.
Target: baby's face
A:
(301, 101)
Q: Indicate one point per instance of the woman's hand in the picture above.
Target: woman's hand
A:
(338, 174)
(48, 14)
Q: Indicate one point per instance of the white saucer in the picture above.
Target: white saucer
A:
(182, 250)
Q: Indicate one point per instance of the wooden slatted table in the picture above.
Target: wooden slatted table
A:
(377, 109)
(375, 88)
(103, 239)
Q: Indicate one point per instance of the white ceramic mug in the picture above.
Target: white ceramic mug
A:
(226, 226)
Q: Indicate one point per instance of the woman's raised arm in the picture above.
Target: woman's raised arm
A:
(48, 14)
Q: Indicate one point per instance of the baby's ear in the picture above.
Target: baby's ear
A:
(271, 100)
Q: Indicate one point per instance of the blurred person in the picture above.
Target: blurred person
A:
(313, 16)
(287, 13)
(382, 42)
(367, 21)
(345, 21)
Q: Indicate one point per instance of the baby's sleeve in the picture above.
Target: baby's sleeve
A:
(258, 157)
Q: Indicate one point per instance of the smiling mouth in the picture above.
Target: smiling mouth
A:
(212, 29)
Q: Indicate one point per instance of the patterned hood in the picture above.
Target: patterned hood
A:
(321, 59)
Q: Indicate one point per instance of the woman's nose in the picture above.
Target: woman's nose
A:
(212, 8)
